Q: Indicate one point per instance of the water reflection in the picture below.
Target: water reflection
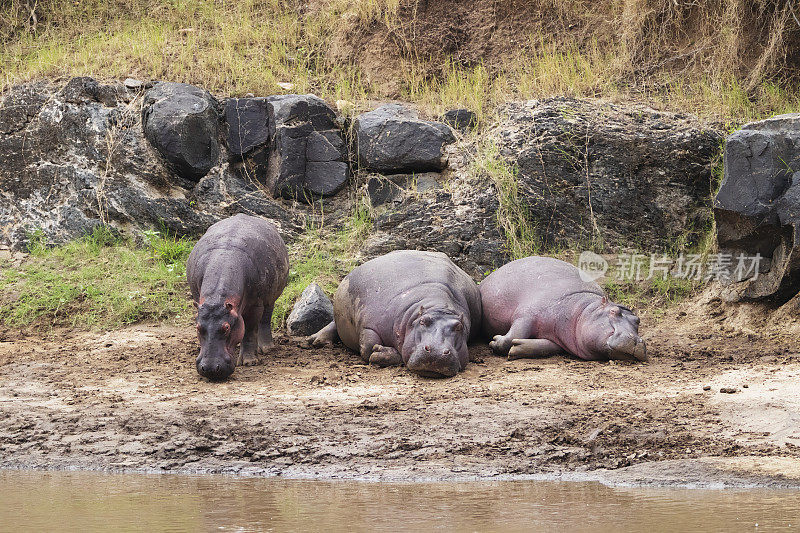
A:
(87, 501)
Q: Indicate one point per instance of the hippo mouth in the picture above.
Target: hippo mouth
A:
(215, 368)
(629, 348)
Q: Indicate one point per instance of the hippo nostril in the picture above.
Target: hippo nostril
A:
(427, 348)
(217, 368)
(203, 369)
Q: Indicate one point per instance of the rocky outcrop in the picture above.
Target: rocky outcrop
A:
(619, 177)
(182, 123)
(308, 157)
(76, 156)
(312, 312)
(459, 219)
(393, 139)
(757, 208)
(625, 177)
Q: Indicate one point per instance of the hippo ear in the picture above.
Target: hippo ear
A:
(229, 306)
(604, 300)
(421, 310)
(196, 305)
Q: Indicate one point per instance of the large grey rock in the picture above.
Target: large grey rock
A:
(312, 312)
(757, 208)
(73, 157)
(393, 139)
(308, 157)
(181, 121)
(616, 176)
(246, 124)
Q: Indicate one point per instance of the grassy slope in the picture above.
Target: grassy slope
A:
(102, 281)
(238, 47)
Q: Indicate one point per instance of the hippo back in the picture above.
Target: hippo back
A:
(534, 280)
(254, 241)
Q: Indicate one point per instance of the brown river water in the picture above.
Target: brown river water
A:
(89, 501)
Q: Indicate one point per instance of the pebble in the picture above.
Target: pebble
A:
(707, 387)
(132, 83)
(729, 390)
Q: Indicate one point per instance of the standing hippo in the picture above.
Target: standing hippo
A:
(236, 272)
(539, 306)
(408, 307)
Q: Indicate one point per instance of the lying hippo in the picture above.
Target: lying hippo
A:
(236, 272)
(407, 307)
(539, 306)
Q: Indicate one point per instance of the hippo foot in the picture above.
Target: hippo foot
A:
(385, 356)
(265, 347)
(500, 345)
(249, 359)
(324, 337)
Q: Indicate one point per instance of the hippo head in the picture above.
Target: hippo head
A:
(219, 328)
(435, 343)
(612, 331)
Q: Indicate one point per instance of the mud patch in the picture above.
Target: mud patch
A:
(131, 400)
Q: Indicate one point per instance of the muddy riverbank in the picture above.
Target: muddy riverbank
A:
(130, 400)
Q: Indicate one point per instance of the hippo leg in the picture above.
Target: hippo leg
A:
(375, 353)
(533, 348)
(265, 330)
(368, 340)
(248, 354)
(385, 356)
(519, 329)
(327, 335)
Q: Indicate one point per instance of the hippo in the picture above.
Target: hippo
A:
(236, 271)
(540, 306)
(407, 307)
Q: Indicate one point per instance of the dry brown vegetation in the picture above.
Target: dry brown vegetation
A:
(728, 59)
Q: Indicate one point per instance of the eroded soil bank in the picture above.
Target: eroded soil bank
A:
(131, 400)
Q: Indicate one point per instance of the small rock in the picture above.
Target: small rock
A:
(729, 390)
(707, 387)
(382, 191)
(132, 84)
(745, 386)
(461, 119)
(312, 312)
(286, 86)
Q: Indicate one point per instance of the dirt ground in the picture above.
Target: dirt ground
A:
(132, 400)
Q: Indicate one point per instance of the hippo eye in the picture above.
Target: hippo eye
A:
(426, 321)
(201, 330)
(225, 329)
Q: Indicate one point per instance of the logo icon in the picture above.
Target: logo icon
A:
(592, 266)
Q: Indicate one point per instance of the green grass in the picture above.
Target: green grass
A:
(104, 281)
(97, 282)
